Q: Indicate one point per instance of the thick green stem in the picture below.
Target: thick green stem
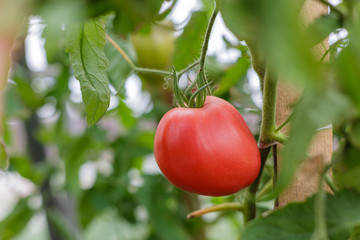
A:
(206, 44)
(250, 195)
(268, 125)
(267, 137)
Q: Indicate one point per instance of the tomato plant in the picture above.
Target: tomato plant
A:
(208, 150)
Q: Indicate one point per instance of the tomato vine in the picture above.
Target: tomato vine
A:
(269, 133)
(201, 83)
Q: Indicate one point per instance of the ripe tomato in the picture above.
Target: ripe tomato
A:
(207, 151)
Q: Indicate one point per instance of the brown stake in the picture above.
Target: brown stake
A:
(306, 180)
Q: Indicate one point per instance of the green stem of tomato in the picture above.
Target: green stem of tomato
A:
(205, 45)
(267, 137)
(188, 68)
(266, 189)
(284, 123)
(330, 183)
(250, 195)
(201, 80)
(320, 231)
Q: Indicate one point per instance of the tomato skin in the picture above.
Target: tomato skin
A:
(208, 151)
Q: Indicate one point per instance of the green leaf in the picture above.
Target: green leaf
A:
(131, 15)
(354, 133)
(347, 65)
(188, 44)
(238, 19)
(85, 44)
(296, 220)
(315, 110)
(125, 114)
(4, 158)
(348, 72)
(215, 70)
(234, 74)
(56, 14)
(107, 192)
(29, 97)
(153, 195)
(61, 224)
(323, 26)
(109, 225)
(54, 42)
(355, 232)
(346, 172)
(78, 150)
(24, 166)
(285, 47)
(14, 223)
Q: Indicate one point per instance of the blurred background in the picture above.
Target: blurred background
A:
(66, 180)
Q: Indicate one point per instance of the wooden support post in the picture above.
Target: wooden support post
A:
(306, 180)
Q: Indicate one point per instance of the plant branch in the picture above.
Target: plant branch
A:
(330, 183)
(334, 45)
(278, 137)
(266, 188)
(284, 123)
(188, 68)
(250, 195)
(216, 208)
(320, 232)
(206, 43)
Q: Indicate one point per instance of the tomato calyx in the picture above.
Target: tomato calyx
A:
(194, 95)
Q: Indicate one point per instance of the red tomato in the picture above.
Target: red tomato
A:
(208, 151)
